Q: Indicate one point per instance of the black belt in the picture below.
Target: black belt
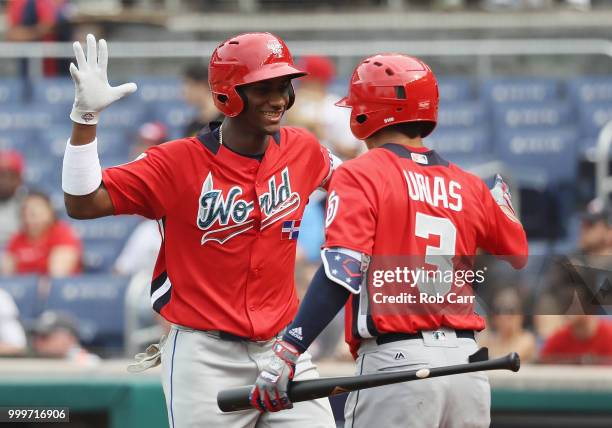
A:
(395, 337)
(223, 335)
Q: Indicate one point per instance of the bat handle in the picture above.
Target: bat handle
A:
(514, 361)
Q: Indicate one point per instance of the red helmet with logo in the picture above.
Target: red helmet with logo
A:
(388, 89)
(244, 59)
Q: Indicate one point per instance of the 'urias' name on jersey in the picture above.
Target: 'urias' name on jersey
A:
(434, 190)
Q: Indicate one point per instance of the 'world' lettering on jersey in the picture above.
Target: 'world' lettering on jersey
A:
(216, 211)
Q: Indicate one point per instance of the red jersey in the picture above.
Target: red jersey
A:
(230, 225)
(401, 205)
(32, 256)
(564, 347)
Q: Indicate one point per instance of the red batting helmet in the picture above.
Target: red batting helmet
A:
(244, 59)
(388, 89)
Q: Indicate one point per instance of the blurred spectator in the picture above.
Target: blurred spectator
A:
(545, 324)
(507, 333)
(11, 193)
(44, 245)
(595, 232)
(572, 282)
(315, 109)
(149, 134)
(55, 335)
(12, 336)
(586, 339)
(41, 20)
(197, 93)
(140, 251)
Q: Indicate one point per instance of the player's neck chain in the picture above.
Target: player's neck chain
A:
(220, 135)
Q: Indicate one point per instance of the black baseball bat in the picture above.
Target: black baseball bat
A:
(231, 400)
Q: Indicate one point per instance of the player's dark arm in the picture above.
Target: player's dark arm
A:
(322, 302)
(93, 205)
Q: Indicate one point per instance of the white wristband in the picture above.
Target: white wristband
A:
(81, 171)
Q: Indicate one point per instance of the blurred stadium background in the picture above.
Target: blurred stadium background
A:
(526, 90)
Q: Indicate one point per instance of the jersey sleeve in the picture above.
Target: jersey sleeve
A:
(148, 185)
(332, 162)
(351, 211)
(504, 234)
(322, 160)
(345, 267)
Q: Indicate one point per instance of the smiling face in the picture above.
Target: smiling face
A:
(267, 101)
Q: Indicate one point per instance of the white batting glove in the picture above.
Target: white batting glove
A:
(150, 358)
(501, 195)
(92, 91)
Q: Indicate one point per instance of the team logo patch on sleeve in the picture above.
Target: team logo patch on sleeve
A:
(344, 267)
(333, 201)
(290, 229)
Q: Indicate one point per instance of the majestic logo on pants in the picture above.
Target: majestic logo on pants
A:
(222, 217)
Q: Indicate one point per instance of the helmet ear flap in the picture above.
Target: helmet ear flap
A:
(291, 93)
(230, 104)
(243, 98)
(428, 127)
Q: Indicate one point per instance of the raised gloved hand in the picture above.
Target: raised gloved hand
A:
(92, 90)
(270, 389)
(501, 195)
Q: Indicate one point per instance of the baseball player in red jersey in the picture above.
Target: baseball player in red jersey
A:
(229, 204)
(401, 200)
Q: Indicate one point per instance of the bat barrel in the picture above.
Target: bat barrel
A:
(231, 400)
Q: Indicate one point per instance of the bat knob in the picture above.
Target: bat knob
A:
(514, 362)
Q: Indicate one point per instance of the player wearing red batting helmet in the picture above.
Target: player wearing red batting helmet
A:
(229, 204)
(390, 89)
(402, 207)
(245, 59)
